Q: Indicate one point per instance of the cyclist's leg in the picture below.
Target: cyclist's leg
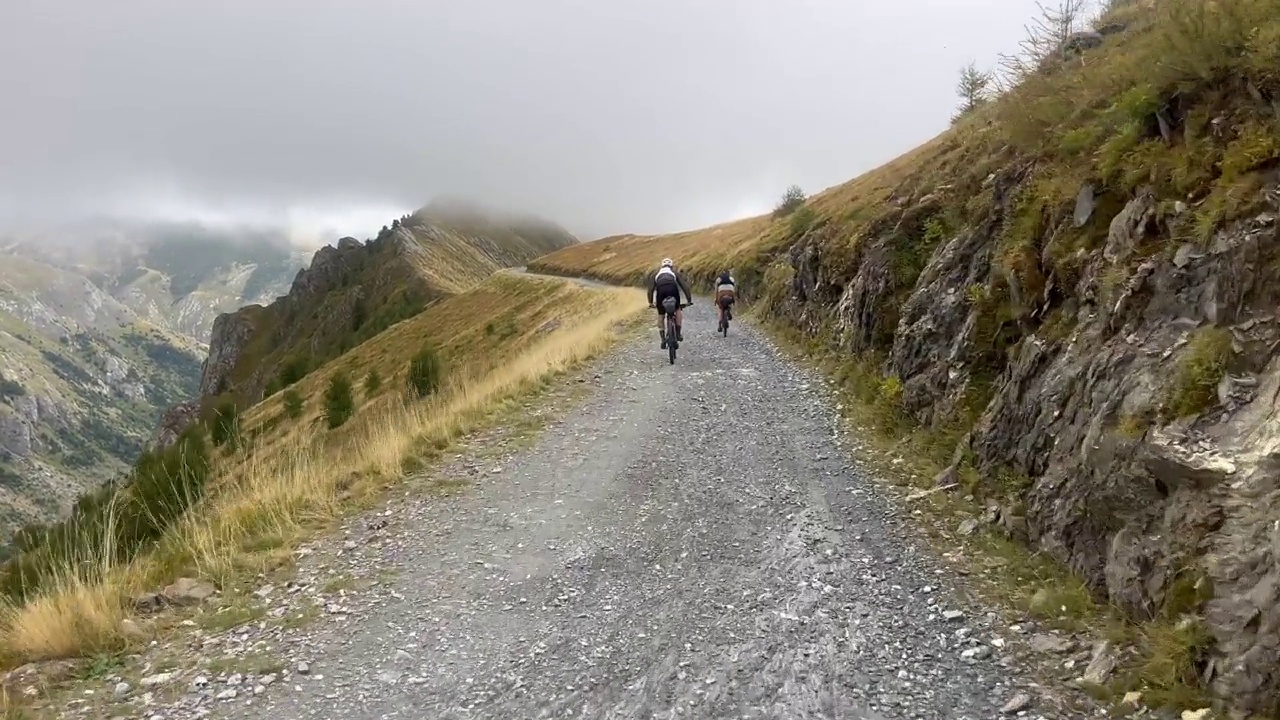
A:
(679, 324)
(662, 326)
(663, 294)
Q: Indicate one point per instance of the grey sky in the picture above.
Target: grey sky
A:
(605, 115)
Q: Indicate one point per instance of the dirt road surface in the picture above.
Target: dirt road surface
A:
(692, 541)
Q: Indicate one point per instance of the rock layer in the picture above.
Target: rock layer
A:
(1162, 511)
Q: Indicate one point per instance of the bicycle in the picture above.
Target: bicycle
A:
(723, 327)
(669, 307)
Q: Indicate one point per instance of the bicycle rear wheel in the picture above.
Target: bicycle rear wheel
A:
(672, 343)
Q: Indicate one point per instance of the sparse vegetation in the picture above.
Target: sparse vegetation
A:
(339, 404)
(791, 201)
(1201, 366)
(379, 286)
(1045, 39)
(372, 383)
(273, 492)
(292, 403)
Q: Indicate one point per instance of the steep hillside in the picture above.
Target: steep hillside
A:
(83, 381)
(353, 291)
(1072, 294)
(230, 515)
(101, 328)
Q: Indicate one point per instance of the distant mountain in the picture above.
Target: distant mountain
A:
(178, 276)
(101, 328)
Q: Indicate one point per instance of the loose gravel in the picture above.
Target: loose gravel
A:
(691, 541)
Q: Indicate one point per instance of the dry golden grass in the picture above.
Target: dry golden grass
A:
(273, 493)
(1082, 119)
(742, 244)
(453, 262)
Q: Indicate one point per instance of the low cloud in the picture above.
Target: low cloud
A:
(332, 117)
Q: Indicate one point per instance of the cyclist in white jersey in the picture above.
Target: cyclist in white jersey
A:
(664, 284)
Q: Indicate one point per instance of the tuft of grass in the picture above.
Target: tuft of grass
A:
(292, 403)
(372, 382)
(225, 426)
(1199, 370)
(267, 498)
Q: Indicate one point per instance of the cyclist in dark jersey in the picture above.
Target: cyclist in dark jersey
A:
(664, 284)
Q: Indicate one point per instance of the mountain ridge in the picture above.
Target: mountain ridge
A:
(350, 292)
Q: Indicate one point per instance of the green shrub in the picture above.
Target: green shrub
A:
(372, 382)
(425, 371)
(10, 388)
(115, 523)
(292, 403)
(791, 201)
(225, 428)
(339, 404)
(293, 370)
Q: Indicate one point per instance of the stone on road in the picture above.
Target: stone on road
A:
(689, 542)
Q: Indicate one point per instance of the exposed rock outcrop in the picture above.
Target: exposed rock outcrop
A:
(173, 422)
(1163, 511)
(231, 332)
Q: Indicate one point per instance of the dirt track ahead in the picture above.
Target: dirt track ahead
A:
(689, 542)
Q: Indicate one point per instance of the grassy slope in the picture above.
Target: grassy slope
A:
(1206, 70)
(426, 258)
(291, 480)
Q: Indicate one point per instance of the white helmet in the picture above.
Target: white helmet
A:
(666, 262)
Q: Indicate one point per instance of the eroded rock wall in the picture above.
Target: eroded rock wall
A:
(1163, 511)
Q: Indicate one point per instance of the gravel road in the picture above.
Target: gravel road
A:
(691, 541)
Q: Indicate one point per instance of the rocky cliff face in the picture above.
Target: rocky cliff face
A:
(1135, 396)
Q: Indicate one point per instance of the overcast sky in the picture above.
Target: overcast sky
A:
(604, 115)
